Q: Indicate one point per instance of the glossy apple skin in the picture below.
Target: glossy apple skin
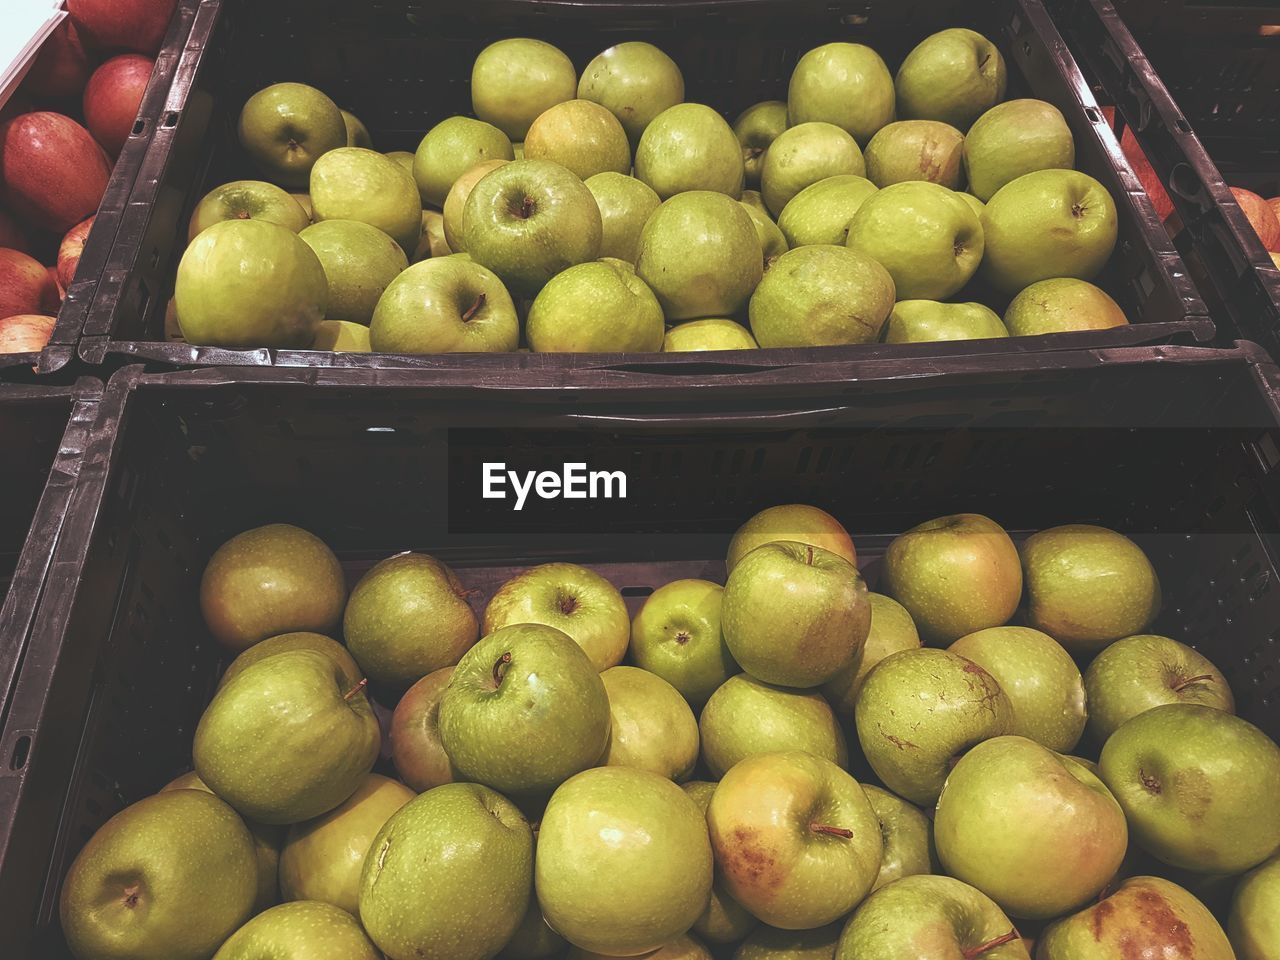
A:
(891, 631)
(1013, 138)
(677, 636)
(70, 250)
(1254, 923)
(793, 521)
(25, 333)
(112, 98)
(1061, 305)
(416, 750)
(908, 837)
(52, 171)
(581, 136)
(803, 155)
(309, 926)
(651, 725)
(131, 24)
(515, 80)
(725, 920)
(953, 75)
(25, 285)
(846, 84)
(635, 81)
(916, 150)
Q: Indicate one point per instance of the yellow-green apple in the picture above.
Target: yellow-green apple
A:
(342, 336)
(795, 839)
(515, 80)
(114, 24)
(1088, 586)
(772, 243)
(929, 240)
(916, 150)
(955, 575)
(689, 147)
(299, 640)
(303, 929)
(804, 155)
(770, 943)
(25, 332)
(112, 97)
(1013, 138)
(467, 911)
(842, 83)
(908, 837)
(676, 635)
(286, 127)
(891, 630)
(624, 864)
(416, 749)
(52, 171)
(402, 157)
(304, 201)
(794, 614)
(820, 213)
(686, 947)
(433, 242)
(752, 198)
(719, 281)
(925, 321)
(798, 522)
(450, 149)
(581, 136)
(1046, 224)
(533, 939)
(599, 307)
(635, 81)
(357, 132)
(954, 75)
(725, 920)
(247, 200)
(976, 205)
(821, 295)
(25, 285)
(921, 709)
(354, 183)
(456, 202)
(1198, 786)
(745, 718)
(756, 128)
(1254, 923)
(445, 305)
(359, 262)
(650, 725)
(1062, 304)
(709, 333)
(625, 205)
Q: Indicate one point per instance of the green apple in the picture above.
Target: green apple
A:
(359, 262)
(524, 684)
(799, 522)
(352, 183)
(1039, 835)
(955, 575)
(1088, 586)
(927, 916)
(920, 709)
(624, 864)
(533, 939)
(1198, 786)
(752, 198)
(916, 150)
(402, 157)
(651, 725)
(804, 155)
(450, 149)
(795, 839)
(456, 202)
(432, 243)
(571, 598)
(416, 749)
(465, 912)
(746, 718)
(1062, 304)
(772, 243)
(928, 321)
(1013, 138)
(300, 931)
(710, 333)
(515, 80)
(342, 336)
(357, 132)
(719, 281)
(794, 614)
(168, 878)
(271, 580)
(676, 635)
(756, 128)
(1146, 917)
(770, 943)
(689, 147)
(304, 201)
(288, 739)
(1144, 671)
(635, 81)
(821, 295)
(300, 640)
(929, 240)
(249, 283)
(600, 307)
(681, 948)
(625, 205)
(1040, 679)
(891, 630)
(1046, 224)
(976, 205)
(322, 858)
(247, 200)
(954, 75)
(528, 220)
(445, 305)
(842, 83)
(725, 920)
(581, 136)
(1254, 923)
(286, 127)
(908, 837)
(820, 213)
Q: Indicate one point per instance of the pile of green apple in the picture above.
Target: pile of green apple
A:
(573, 782)
(600, 212)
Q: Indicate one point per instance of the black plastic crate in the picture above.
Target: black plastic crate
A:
(120, 665)
(403, 66)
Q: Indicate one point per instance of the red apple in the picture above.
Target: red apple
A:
(126, 24)
(70, 249)
(59, 291)
(61, 68)
(1274, 204)
(1261, 217)
(1146, 174)
(53, 173)
(25, 333)
(25, 285)
(112, 97)
(11, 233)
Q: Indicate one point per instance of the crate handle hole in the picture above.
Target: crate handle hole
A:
(1094, 115)
(171, 118)
(138, 126)
(21, 752)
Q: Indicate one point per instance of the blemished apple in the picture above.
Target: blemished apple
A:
(1046, 224)
(709, 333)
(820, 213)
(746, 717)
(357, 133)
(908, 837)
(314, 929)
(821, 295)
(919, 710)
(61, 67)
(689, 147)
(719, 281)
(891, 630)
(929, 240)
(772, 243)
(624, 863)
(70, 249)
(916, 150)
(297, 640)
(1141, 672)
(416, 750)
(651, 725)
(791, 521)
(581, 136)
(804, 155)
(599, 307)
(25, 285)
(725, 920)
(286, 127)
(635, 81)
(131, 24)
(571, 598)
(450, 149)
(954, 75)
(25, 332)
(1198, 786)
(514, 80)
(52, 172)
(445, 305)
(676, 635)
(846, 84)
(1060, 305)
(1088, 586)
(756, 128)
(1014, 138)
(342, 336)
(795, 838)
(247, 200)
(924, 321)
(770, 943)
(112, 97)
(1261, 216)
(355, 183)
(456, 202)
(528, 220)
(359, 262)
(1254, 922)
(955, 575)
(249, 283)
(625, 205)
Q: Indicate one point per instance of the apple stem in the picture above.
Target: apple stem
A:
(978, 951)
(526, 208)
(831, 831)
(499, 668)
(809, 556)
(474, 308)
(1178, 688)
(364, 682)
